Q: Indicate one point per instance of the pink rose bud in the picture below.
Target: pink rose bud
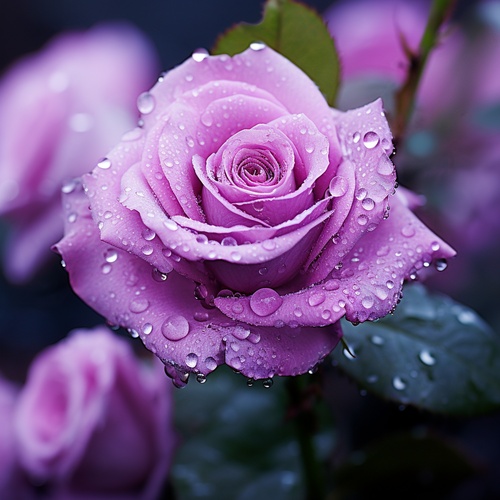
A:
(61, 110)
(243, 220)
(93, 420)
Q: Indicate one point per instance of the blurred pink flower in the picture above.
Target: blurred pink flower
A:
(92, 421)
(61, 110)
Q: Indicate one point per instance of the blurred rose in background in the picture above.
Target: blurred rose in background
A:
(92, 421)
(61, 110)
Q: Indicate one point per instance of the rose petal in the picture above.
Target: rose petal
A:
(369, 284)
(186, 336)
(366, 140)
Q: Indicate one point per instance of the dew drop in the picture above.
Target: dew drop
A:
(367, 302)
(175, 327)
(466, 317)
(145, 103)
(257, 46)
(191, 360)
(377, 340)
(69, 186)
(170, 224)
(362, 220)
(440, 264)
(356, 137)
(201, 378)
(228, 241)
(338, 186)
(159, 276)
(138, 305)
(368, 204)
(398, 383)
(370, 140)
(199, 54)
(211, 364)
(267, 383)
(147, 328)
(435, 246)
(106, 268)
(241, 333)
(408, 231)
(265, 302)
(148, 234)
(105, 163)
(235, 256)
(427, 358)
(110, 255)
(316, 298)
(201, 316)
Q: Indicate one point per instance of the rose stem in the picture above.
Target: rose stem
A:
(405, 96)
(302, 397)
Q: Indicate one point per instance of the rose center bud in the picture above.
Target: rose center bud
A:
(257, 167)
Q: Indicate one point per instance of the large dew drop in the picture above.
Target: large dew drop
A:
(265, 302)
(145, 103)
(175, 327)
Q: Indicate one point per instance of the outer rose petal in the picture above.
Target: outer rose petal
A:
(186, 336)
(369, 284)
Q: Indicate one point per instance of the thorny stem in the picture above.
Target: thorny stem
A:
(405, 97)
(302, 399)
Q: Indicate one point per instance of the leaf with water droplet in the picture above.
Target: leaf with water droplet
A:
(295, 31)
(433, 353)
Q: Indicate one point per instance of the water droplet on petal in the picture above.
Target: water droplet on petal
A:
(138, 305)
(257, 46)
(211, 364)
(316, 298)
(435, 246)
(191, 360)
(240, 332)
(265, 302)
(362, 220)
(228, 241)
(338, 186)
(367, 302)
(175, 327)
(200, 54)
(370, 140)
(110, 255)
(145, 103)
(105, 163)
(356, 137)
(408, 231)
(147, 328)
(368, 204)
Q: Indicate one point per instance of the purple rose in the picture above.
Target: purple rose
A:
(243, 219)
(93, 421)
(60, 110)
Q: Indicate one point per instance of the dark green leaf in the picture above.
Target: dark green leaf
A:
(295, 31)
(433, 353)
(404, 465)
(236, 442)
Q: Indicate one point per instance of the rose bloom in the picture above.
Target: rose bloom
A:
(243, 219)
(60, 111)
(92, 421)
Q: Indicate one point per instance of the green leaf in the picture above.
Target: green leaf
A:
(237, 442)
(404, 465)
(298, 33)
(433, 353)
